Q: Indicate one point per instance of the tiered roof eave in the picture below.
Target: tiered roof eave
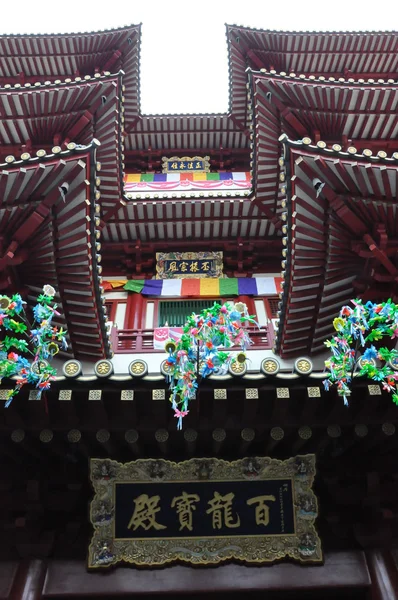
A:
(53, 238)
(87, 53)
(340, 214)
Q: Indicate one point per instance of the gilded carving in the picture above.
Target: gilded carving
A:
(146, 513)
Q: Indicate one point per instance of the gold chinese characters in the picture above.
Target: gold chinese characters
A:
(220, 508)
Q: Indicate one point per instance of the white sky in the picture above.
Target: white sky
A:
(184, 49)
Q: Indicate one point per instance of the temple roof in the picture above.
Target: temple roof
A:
(198, 219)
(341, 238)
(362, 112)
(153, 136)
(38, 57)
(48, 235)
(43, 116)
(338, 54)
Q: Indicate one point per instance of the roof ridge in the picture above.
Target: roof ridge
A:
(73, 33)
(231, 26)
(107, 75)
(337, 150)
(71, 148)
(320, 78)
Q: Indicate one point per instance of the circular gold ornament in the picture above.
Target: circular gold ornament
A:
(38, 366)
(72, 368)
(138, 368)
(103, 368)
(165, 368)
(237, 368)
(303, 366)
(270, 366)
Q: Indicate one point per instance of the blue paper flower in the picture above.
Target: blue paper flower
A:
(370, 353)
(40, 312)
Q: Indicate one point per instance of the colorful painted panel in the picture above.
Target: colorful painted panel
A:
(185, 182)
(203, 511)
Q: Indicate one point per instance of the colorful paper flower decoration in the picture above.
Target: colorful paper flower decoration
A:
(200, 351)
(27, 349)
(358, 327)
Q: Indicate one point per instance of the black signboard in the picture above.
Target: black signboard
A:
(254, 510)
(203, 509)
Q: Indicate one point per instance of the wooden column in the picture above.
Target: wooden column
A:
(134, 317)
(29, 581)
(384, 575)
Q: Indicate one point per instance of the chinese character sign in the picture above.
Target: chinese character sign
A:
(203, 509)
(151, 512)
(186, 164)
(189, 265)
(185, 267)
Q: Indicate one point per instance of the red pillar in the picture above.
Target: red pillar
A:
(384, 575)
(135, 311)
(29, 580)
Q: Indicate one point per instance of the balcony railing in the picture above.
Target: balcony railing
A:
(132, 341)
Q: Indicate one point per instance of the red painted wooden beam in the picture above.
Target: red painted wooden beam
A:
(85, 119)
(112, 60)
(380, 255)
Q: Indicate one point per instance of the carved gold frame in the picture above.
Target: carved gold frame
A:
(204, 159)
(105, 551)
(216, 256)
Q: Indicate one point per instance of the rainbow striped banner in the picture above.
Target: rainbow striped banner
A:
(149, 182)
(175, 288)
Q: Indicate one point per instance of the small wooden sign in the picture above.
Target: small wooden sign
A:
(186, 164)
(188, 265)
(203, 511)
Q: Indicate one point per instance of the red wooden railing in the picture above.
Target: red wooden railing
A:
(132, 341)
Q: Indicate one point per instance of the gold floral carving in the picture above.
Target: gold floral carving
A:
(103, 368)
(303, 366)
(138, 367)
(71, 368)
(105, 550)
(238, 368)
(270, 366)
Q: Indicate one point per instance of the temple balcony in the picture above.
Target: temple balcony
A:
(146, 345)
(137, 341)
